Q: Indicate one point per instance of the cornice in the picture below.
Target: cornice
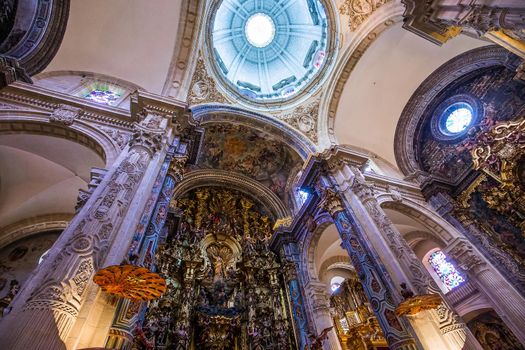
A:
(34, 97)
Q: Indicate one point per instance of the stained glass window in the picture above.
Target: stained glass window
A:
(445, 270)
(107, 96)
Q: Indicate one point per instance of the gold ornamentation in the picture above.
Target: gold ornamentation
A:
(331, 202)
(283, 222)
(498, 153)
(414, 305)
(359, 10)
(130, 282)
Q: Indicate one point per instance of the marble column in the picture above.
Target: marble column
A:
(441, 328)
(371, 273)
(507, 302)
(47, 307)
(320, 300)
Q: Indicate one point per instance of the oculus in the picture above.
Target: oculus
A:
(260, 30)
(267, 51)
(457, 118)
(454, 116)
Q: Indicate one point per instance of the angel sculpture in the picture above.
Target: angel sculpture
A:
(316, 343)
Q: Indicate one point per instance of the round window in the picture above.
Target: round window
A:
(453, 118)
(457, 118)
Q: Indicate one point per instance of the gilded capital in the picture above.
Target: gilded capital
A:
(331, 202)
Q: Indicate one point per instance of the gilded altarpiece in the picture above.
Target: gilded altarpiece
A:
(482, 170)
(225, 287)
(356, 326)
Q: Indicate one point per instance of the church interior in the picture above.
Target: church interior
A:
(262, 174)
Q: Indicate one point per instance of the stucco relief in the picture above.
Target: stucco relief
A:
(203, 88)
(359, 10)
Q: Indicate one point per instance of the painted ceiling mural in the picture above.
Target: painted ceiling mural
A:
(18, 260)
(250, 152)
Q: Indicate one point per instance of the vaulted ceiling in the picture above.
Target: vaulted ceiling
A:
(131, 40)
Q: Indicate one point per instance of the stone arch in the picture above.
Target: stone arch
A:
(439, 228)
(338, 261)
(37, 123)
(244, 184)
(37, 33)
(310, 242)
(33, 226)
(413, 114)
(379, 21)
(211, 113)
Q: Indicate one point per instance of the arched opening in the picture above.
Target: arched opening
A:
(40, 175)
(350, 310)
(17, 262)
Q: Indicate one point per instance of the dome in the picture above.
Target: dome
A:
(269, 50)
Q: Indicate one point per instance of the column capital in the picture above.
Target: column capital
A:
(177, 167)
(331, 202)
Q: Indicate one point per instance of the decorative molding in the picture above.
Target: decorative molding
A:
(244, 184)
(29, 227)
(65, 115)
(414, 112)
(305, 119)
(203, 88)
(359, 10)
(187, 33)
(43, 35)
(10, 71)
(17, 126)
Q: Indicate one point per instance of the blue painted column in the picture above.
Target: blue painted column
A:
(371, 274)
(290, 257)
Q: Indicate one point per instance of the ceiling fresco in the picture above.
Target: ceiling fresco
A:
(250, 152)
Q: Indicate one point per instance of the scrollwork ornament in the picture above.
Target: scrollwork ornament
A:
(65, 115)
(359, 10)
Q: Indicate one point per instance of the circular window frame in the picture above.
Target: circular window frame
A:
(232, 93)
(437, 125)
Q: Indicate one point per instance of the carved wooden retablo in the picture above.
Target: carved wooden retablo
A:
(130, 282)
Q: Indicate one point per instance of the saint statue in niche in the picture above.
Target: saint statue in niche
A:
(221, 257)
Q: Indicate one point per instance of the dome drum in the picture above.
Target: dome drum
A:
(271, 50)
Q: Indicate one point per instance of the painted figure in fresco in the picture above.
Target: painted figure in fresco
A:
(14, 287)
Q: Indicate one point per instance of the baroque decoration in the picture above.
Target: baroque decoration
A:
(203, 88)
(359, 10)
(253, 153)
(224, 287)
(356, 325)
(476, 169)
